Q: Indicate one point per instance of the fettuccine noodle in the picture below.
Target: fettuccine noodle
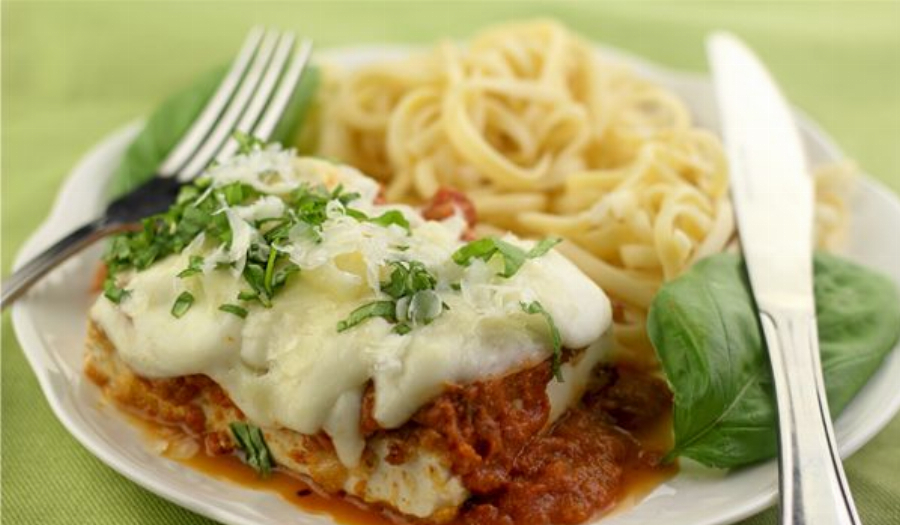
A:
(547, 138)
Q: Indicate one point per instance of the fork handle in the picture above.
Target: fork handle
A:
(22, 279)
(814, 489)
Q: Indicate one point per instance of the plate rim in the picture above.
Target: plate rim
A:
(29, 341)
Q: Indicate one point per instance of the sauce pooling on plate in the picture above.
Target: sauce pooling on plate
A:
(621, 464)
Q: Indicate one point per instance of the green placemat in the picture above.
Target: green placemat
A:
(73, 72)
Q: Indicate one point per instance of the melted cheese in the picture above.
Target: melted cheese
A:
(288, 365)
(421, 486)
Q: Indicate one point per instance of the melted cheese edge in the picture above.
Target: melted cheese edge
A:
(287, 366)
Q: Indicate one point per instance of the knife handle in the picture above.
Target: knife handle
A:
(813, 486)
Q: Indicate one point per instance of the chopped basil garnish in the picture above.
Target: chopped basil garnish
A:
(385, 219)
(266, 277)
(201, 208)
(246, 142)
(255, 275)
(182, 304)
(197, 210)
(391, 217)
(310, 203)
(408, 278)
(195, 266)
(413, 299)
(170, 232)
(513, 256)
(385, 309)
(281, 275)
(113, 292)
(535, 307)
(356, 214)
(250, 440)
(234, 309)
(542, 247)
(270, 271)
(247, 296)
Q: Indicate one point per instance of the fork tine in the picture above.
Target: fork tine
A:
(282, 97)
(262, 95)
(235, 108)
(204, 123)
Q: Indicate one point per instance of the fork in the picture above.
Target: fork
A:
(251, 98)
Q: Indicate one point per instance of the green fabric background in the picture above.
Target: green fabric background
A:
(73, 72)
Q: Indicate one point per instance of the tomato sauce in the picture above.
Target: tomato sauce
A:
(602, 456)
(582, 467)
(289, 487)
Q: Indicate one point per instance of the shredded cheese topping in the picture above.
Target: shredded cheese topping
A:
(286, 364)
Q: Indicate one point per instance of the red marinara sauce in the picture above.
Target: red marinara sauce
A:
(601, 455)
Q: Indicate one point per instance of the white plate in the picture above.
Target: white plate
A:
(50, 324)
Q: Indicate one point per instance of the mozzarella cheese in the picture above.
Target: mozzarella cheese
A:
(288, 365)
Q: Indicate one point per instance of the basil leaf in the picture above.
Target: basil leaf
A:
(704, 328)
(343, 197)
(391, 217)
(356, 214)
(384, 309)
(119, 248)
(408, 278)
(543, 246)
(413, 299)
(402, 329)
(234, 309)
(396, 286)
(250, 440)
(237, 193)
(255, 275)
(113, 292)
(484, 249)
(182, 304)
(311, 204)
(282, 274)
(270, 271)
(246, 142)
(419, 278)
(248, 296)
(513, 256)
(195, 266)
(173, 117)
(163, 129)
(535, 307)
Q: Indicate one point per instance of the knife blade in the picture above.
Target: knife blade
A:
(773, 198)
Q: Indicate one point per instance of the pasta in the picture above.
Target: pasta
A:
(834, 183)
(547, 138)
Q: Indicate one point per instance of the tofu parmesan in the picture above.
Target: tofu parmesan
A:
(291, 299)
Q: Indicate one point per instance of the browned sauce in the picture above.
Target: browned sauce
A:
(601, 456)
(229, 467)
(289, 487)
(637, 484)
(582, 467)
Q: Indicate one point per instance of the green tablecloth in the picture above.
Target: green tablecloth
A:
(73, 72)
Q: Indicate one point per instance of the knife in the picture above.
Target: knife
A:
(773, 201)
